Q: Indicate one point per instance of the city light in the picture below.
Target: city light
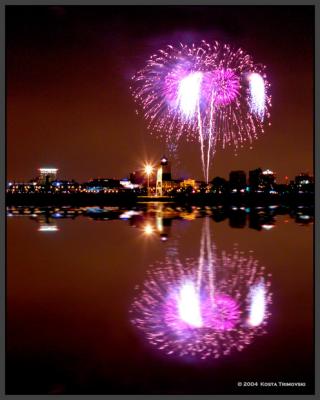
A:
(267, 172)
(267, 227)
(148, 169)
(148, 229)
(48, 170)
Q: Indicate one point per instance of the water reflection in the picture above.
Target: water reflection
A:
(206, 307)
(156, 218)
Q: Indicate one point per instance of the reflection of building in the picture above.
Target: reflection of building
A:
(47, 175)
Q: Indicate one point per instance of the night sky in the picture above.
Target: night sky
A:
(68, 73)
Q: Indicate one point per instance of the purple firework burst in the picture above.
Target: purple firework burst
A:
(211, 92)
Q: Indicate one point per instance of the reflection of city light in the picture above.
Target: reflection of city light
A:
(57, 215)
(304, 217)
(257, 304)
(48, 228)
(128, 214)
(148, 229)
(267, 227)
(159, 222)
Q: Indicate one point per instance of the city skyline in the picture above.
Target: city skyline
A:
(151, 170)
(70, 102)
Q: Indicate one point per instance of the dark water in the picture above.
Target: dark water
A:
(75, 287)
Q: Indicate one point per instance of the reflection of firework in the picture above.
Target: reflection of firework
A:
(211, 91)
(203, 308)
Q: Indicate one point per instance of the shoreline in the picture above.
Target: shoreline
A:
(131, 199)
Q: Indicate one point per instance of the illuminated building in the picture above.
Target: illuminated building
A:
(268, 177)
(188, 182)
(100, 185)
(127, 184)
(47, 175)
(159, 181)
(303, 179)
(262, 180)
(163, 176)
(165, 184)
(166, 169)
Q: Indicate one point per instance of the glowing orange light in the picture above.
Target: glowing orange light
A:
(148, 229)
(148, 169)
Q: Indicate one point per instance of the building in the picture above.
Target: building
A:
(268, 178)
(166, 169)
(47, 175)
(101, 185)
(304, 183)
(164, 181)
(262, 180)
(255, 178)
(237, 181)
(219, 186)
(303, 179)
(188, 183)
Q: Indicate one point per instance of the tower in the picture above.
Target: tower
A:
(159, 182)
(166, 169)
(163, 174)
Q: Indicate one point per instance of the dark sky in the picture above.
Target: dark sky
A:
(68, 73)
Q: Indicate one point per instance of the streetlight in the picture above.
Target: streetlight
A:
(148, 229)
(148, 170)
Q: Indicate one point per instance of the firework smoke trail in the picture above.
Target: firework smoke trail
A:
(210, 92)
(226, 313)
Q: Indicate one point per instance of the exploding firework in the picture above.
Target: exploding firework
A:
(203, 308)
(211, 92)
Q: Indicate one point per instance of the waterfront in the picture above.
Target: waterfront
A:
(72, 276)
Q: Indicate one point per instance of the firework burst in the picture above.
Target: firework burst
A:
(203, 308)
(211, 92)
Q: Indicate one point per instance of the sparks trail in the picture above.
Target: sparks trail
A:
(209, 92)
